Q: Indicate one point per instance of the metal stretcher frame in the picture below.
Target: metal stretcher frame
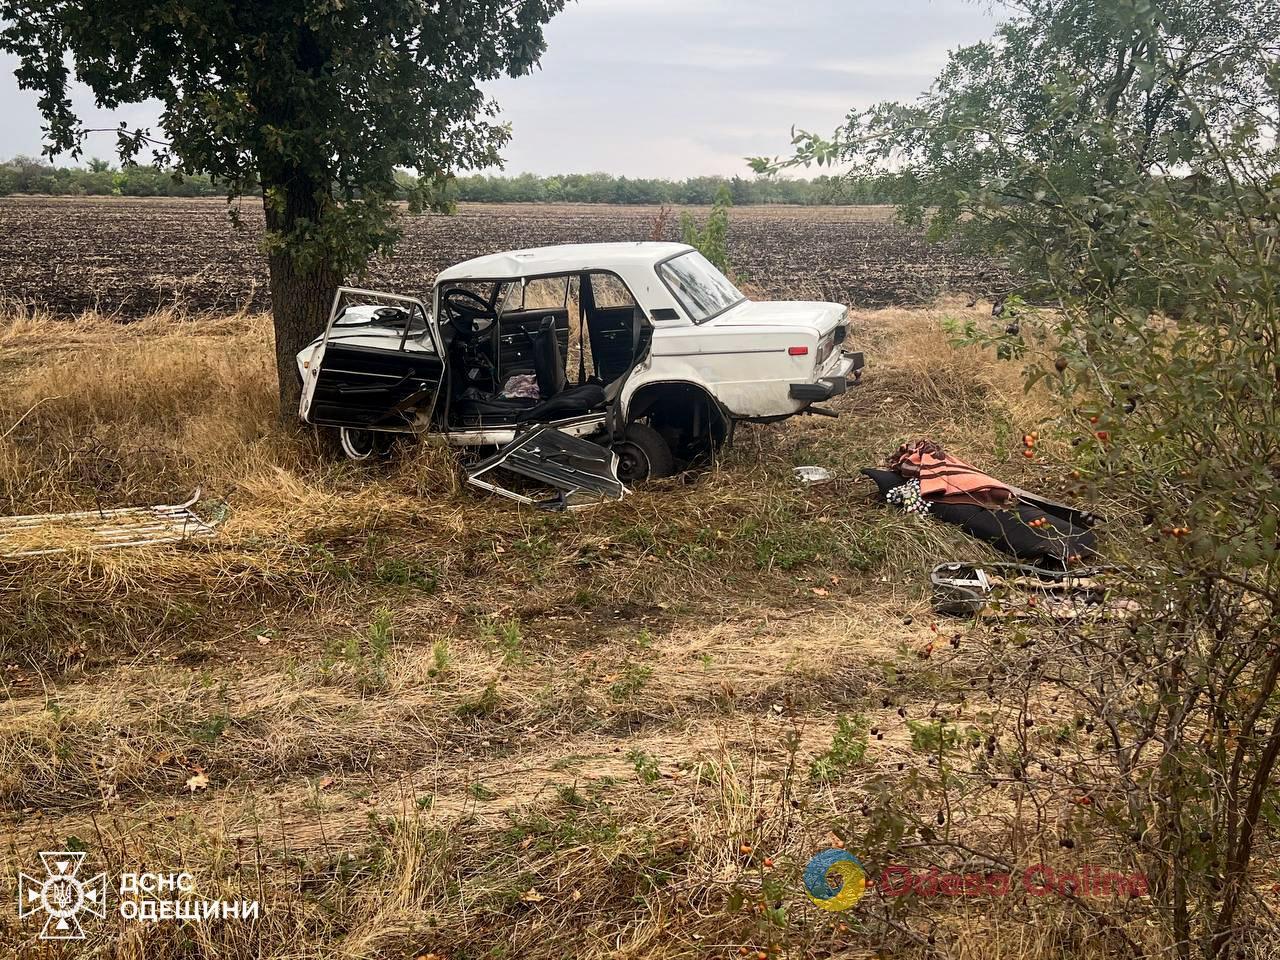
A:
(105, 529)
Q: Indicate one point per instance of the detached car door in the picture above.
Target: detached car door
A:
(381, 371)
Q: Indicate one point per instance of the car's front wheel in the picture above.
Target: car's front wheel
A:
(643, 455)
(363, 444)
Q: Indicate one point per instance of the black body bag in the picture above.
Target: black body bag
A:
(1064, 533)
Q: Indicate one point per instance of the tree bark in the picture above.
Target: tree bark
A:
(301, 292)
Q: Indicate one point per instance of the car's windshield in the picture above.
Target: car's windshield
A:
(702, 290)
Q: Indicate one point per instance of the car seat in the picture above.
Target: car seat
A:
(583, 398)
(558, 399)
(548, 360)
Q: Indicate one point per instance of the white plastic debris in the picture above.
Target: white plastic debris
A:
(811, 475)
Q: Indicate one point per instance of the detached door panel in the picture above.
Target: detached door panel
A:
(372, 388)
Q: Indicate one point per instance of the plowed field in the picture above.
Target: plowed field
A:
(130, 256)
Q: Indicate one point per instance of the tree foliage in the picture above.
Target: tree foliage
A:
(318, 102)
(1068, 96)
(1123, 156)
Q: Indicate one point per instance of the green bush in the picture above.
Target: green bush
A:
(1117, 155)
(712, 240)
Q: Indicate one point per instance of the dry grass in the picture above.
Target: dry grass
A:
(100, 411)
(433, 722)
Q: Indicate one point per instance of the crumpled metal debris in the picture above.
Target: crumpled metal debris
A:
(581, 473)
(1016, 589)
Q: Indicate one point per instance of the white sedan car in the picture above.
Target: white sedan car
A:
(645, 348)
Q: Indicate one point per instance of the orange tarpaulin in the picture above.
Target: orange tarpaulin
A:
(948, 480)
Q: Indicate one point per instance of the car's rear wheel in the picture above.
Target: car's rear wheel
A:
(643, 455)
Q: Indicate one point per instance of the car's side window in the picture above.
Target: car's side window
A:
(544, 293)
(609, 291)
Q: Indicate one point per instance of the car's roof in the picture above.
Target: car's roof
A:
(563, 258)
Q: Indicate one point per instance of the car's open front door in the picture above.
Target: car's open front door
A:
(380, 371)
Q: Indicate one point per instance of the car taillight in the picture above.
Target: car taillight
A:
(798, 351)
(825, 348)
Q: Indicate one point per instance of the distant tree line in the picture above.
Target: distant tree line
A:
(606, 188)
(99, 179)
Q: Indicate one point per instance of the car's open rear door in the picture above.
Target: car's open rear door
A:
(621, 336)
(378, 378)
(579, 471)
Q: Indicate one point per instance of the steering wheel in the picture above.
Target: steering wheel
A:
(467, 310)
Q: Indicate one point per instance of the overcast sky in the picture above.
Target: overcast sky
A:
(669, 88)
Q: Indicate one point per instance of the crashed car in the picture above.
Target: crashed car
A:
(645, 349)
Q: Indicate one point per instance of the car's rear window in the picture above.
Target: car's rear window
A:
(700, 288)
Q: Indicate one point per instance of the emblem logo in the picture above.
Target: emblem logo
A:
(62, 895)
(850, 877)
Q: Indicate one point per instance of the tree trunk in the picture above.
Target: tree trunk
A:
(301, 292)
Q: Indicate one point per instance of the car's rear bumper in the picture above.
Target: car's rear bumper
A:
(824, 388)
